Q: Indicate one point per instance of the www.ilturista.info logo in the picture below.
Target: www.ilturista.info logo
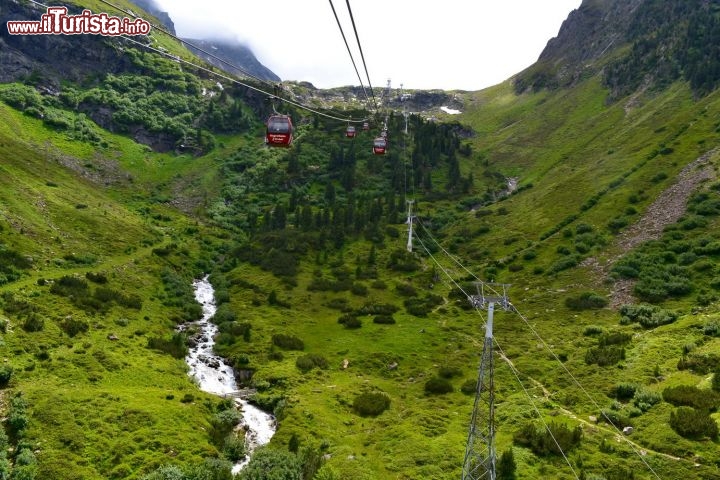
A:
(57, 22)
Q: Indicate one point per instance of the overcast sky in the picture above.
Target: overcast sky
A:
(446, 44)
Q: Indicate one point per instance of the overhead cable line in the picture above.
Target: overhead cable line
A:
(234, 80)
(508, 362)
(185, 42)
(220, 75)
(554, 355)
(587, 394)
(362, 56)
(350, 53)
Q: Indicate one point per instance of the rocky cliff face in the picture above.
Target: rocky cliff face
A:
(52, 58)
(588, 33)
(153, 9)
(636, 44)
(223, 54)
(231, 54)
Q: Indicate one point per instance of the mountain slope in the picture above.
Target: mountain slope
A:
(636, 44)
(232, 55)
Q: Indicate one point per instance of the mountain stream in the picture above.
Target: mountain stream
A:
(215, 376)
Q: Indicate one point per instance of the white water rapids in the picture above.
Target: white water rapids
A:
(215, 376)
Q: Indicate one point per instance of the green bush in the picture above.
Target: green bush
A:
(311, 360)
(564, 263)
(288, 342)
(593, 330)
(384, 319)
(33, 323)
(406, 290)
(449, 372)
(99, 278)
(267, 463)
(377, 309)
(344, 318)
(712, 328)
(614, 338)
(421, 307)
(352, 322)
(529, 255)
(604, 356)
(556, 439)
(223, 422)
(691, 396)
(645, 399)
(624, 391)
(72, 327)
(6, 372)
(341, 304)
(438, 385)
(371, 404)
(359, 289)
(469, 386)
(649, 316)
(403, 261)
(693, 424)
(234, 448)
(586, 301)
(700, 363)
(176, 345)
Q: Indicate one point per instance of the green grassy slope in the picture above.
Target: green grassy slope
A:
(100, 408)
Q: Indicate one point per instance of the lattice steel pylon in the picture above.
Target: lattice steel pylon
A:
(479, 460)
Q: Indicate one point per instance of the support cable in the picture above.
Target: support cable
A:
(587, 394)
(546, 346)
(184, 42)
(362, 56)
(226, 77)
(217, 74)
(512, 367)
(350, 53)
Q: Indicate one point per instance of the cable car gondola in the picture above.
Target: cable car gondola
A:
(366, 126)
(279, 131)
(380, 146)
(350, 132)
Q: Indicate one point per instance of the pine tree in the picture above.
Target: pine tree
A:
(330, 193)
(506, 467)
(294, 443)
(371, 257)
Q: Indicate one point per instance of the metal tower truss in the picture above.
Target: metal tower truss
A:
(410, 218)
(479, 461)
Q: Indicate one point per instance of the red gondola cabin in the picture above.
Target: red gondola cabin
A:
(380, 146)
(279, 131)
(366, 126)
(350, 132)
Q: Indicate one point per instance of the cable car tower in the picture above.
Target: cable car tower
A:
(410, 217)
(479, 461)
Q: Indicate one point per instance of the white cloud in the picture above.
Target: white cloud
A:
(453, 44)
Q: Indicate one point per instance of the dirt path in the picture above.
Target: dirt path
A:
(667, 208)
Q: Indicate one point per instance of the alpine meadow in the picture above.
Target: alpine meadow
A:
(353, 286)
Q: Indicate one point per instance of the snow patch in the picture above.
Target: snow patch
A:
(449, 110)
